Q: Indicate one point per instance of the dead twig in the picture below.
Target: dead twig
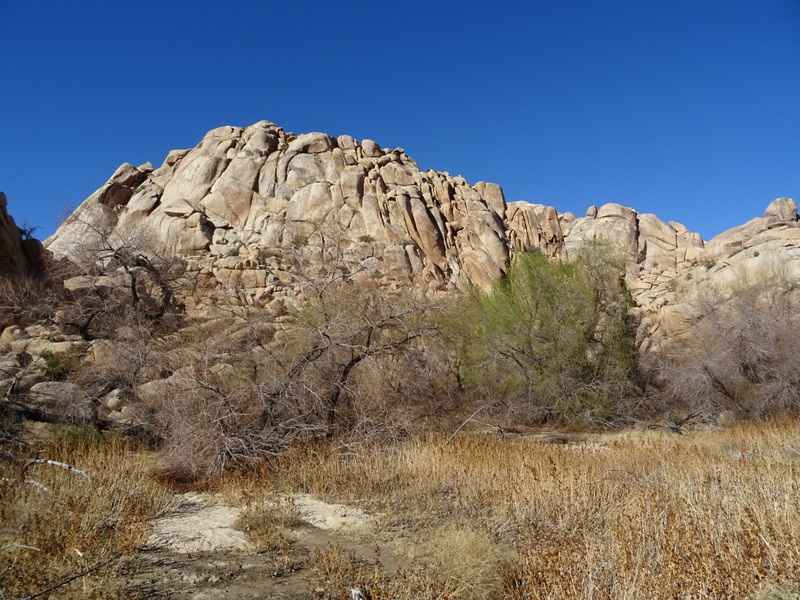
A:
(464, 424)
(20, 546)
(679, 426)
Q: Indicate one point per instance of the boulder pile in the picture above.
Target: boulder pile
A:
(237, 201)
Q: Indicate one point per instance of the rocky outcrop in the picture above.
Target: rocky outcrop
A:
(780, 222)
(654, 251)
(754, 260)
(20, 255)
(237, 202)
(255, 212)
(245, 194)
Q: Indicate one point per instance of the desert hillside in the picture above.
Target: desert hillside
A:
(233, 203)
(256, 224)
(268, 306)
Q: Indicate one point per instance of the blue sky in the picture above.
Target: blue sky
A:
(687, 109)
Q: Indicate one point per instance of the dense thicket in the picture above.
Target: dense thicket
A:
(738, 351)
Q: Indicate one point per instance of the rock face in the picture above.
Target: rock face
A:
(759, 258)
(243, 196)
(19, 255)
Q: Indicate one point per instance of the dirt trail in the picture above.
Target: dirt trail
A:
(197, 553)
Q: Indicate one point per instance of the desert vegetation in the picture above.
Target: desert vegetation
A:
(420, 409)
(737, 351)
(637, 515)
(75, 508)
(641, 514)
(553, 341)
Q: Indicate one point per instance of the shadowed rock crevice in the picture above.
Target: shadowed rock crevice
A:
(20, 254)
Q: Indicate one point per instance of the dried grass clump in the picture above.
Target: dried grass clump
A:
(266, 518)
(642, 515)
(73, 523)
(335, 573)
(477, 565)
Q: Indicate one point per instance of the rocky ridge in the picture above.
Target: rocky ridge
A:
(232, 203)
(238, 206)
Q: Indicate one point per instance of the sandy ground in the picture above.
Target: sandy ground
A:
(330, 517)
(201, 523)
(198, 553)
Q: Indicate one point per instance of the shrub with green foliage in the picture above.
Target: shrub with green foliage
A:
(58, 366)
(553, 340)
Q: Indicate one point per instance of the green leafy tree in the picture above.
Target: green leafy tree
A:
(554, 340)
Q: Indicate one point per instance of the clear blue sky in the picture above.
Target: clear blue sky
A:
(688, 109)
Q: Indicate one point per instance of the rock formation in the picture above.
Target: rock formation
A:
(242, 196)
(20, 254)
(761, 256)
(255, 212)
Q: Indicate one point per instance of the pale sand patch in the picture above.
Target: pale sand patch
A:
(204, 523)
(330, 517)
(201, 523)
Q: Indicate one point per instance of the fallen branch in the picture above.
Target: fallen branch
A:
(21, 546)
(679, 426)
(464, 424)
(36, 484)
(55, 463)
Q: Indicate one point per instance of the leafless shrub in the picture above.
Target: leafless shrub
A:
(36, 300)
(238, 393)
(125, 274)
(205, 415)
(739, 351)
(345, 363)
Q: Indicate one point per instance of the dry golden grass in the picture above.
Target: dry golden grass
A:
(712, 514)
(334, 573)
(645, 515)
(76, 524)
